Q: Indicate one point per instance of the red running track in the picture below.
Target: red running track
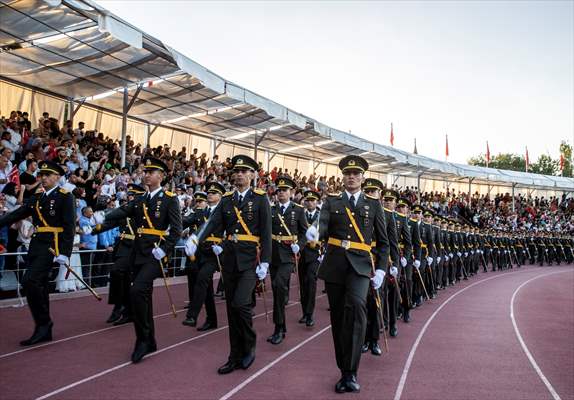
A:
(461, 345)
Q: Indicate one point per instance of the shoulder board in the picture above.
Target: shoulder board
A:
(368, 196)
(398, 213)
(64, 191)
(416, 220)
(227, 194)
(260, 192)
(297, 205)
(169, 194)
(333, 194)
(39, 191)
(388, 210)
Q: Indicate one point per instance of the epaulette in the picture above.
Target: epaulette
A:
(333, 194)
(416, 220)
(260, 192)
(388, 209)
(169, 194)
(399, 214)
(227, 194)
(371, 197)
(298, 205)
(62, 190)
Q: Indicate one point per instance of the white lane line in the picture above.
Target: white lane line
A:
(533, 362)
(405, 373)
(271, 364)
(107, 371)
(94, 332)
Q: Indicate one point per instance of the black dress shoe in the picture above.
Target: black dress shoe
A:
(310, 322)
(303, 319)
(125, 319)
(393, 331)
(189, 321)
(247, 360)
(228, 367)
(352, 384)
(341, 386)
(366, 346)
(207, 326)
(142, 348)
(41, 334)
(407, 316)
(277, 338)
(375, 349)
(115, 315)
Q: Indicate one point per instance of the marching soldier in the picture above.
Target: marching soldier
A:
(245, 216)
(350, 222)
(428, 246)
(445, 241)
(309, 262)
(410, 255)
(54, 217)
(439, 252)
(192, 222)
(207, 261)
(288, 234)
(372, 188)
(392, 289)
(120, 280)
(157, 218)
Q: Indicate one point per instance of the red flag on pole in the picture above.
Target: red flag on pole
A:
(561, 162)
(527, 160)
(392, 136)
(446, 149)
(487, 154)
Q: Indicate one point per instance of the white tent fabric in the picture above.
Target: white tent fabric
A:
(78, 50)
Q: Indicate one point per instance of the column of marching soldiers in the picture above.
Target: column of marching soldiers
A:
(379, 255)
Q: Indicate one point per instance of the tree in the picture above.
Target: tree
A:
(545, 165)
(566, 151)
(508, 161)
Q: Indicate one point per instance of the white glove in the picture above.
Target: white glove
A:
(158, 253)
(261, 270)
(99, 218)
(295, 248)
(429, 260)
(62, 260)
(312, 234)
(394, 271)
(438, 260)
(472, 252)
(378, 278)
(459, 254)
(450, 255)
(191, 246)
(417, 264)
(446, 258)
(217, 250)
(320, 259)
(86, 229)
(403, 261)
(465, 254)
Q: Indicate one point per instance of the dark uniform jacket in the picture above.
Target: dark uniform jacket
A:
(392, 236)
(195, 222)
(55, 210)
(404, 234)
(415, 229)
(291, 223)
(335, 224)
(159, 213)
(255, 212)
(310, 252)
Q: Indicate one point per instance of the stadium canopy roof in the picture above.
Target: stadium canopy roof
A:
(79, 50)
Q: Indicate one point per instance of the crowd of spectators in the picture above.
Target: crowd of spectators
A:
(94, 175)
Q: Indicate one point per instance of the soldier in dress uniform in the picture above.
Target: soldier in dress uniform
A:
(372, 187)
(411, 251)
(157, 218)
(120, 279)
(207, 260)
(350, 222)
(245, 216)
(288, 233)
(54, 218)
(309, 262)
(192, 222)
(392, 290)
(438, 251)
